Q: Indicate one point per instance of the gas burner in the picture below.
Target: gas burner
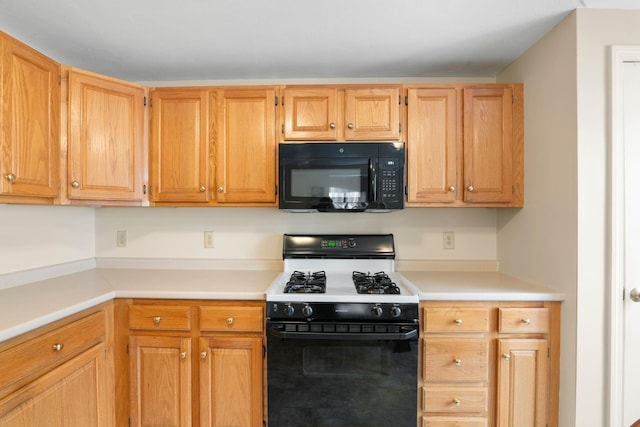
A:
(377, 283)
(309, 283)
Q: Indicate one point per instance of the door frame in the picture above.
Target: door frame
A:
(619, 55)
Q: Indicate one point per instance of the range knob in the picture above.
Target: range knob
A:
(351, 243)
(396, 311)
(376, 311)
(307, 311)
(288, 310)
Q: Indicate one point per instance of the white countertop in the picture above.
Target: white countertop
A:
(28, 306)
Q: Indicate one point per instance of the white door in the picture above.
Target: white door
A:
(631, 256)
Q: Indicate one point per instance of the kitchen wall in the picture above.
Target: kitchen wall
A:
(256, 233)
(37, 236)
(561, 236)
(539, 243)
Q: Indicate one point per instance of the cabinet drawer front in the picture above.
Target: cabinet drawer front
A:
(456, 319)
(454, 400)
(454, 422)
(160, 317)
(523, 320)
(46, 351)
(455, 359)
(231, 318)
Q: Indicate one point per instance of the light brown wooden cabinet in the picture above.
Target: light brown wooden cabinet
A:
(465, 145)
(179, 146)
(195, 363)
(29, 124)
(341, 113)
(244, 141)
(489, 364)
(105, 143)
(60, 375)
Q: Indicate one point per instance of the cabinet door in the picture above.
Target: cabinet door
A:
(372, 114)
(245, 145)
(105, 146)
(160, 381)
(29, 121)
(231, 381)
(432, 144)
(488, 144)
(311, 114)
(522, 383)
(73, 395)
(179, 153)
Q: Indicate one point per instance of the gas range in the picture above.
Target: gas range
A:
(340, 277)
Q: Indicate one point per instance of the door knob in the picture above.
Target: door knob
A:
(634, 295)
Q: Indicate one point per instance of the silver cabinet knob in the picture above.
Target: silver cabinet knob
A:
(157, 319)
(452, 188)
(10, 177)
(203, 355)
(350, 126)
(221, 189)
(202, 188)
(456, 402)
(457, 362)
(75, 184)
(458, 322)
(634, 295)
(506, 356)
(230, 321)
(471, 189)
(183, 355)
(332, 125)
(58, 347)
(526, 321)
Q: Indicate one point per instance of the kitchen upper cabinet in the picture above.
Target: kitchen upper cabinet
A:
(244, 141)
(105, 143)
(432, 149)
(179, 148)
(29, 124)
(465, 145)
(319, 113)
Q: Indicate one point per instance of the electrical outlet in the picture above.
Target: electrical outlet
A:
(122, 238)
(208, 239)
(448, 240)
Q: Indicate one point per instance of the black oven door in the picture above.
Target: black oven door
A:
(342, 379)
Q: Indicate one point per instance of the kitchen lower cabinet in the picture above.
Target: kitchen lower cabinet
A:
(194, 363)
(489, 364)
(60, 375)
(29, 124)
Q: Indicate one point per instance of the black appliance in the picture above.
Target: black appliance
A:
(342, 335)
(341, 176)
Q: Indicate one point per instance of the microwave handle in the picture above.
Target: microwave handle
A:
(373, 182)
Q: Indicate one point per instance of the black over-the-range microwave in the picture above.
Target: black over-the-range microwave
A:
(341, 176)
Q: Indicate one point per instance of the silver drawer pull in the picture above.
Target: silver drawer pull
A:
(458, 322)
(457, 362)
(456, 402)
(526, 321)
(58, 347)
(157, 319)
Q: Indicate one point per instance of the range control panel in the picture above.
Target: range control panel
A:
(364, 246)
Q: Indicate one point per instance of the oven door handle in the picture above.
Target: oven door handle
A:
(351, 336)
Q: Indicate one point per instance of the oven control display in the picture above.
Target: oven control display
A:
(342, 244)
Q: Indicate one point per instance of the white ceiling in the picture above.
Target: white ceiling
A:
(169, 40)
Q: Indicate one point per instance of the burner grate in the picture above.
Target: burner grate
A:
(309, 283)
(377, 283)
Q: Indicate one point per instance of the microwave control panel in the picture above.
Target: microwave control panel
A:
(390, 176)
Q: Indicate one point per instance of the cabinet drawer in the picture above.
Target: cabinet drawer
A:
(40, 354)
(523, 320)
(454, 422)
(455, 359)
(231, 318)
(454, 400)
(160, 317)
(456, 319)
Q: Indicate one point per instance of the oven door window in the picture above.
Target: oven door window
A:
(324, 184)
(337, 383)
